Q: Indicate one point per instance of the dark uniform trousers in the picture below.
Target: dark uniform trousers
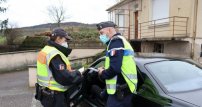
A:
(57, 100)
(113, 101)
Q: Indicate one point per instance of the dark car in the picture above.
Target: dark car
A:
(162, 82)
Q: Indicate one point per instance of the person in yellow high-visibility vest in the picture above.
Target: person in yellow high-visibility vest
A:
(54, 73)
(120, 68)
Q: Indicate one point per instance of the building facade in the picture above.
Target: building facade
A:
(161, 26)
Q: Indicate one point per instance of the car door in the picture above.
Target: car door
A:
(147, 94)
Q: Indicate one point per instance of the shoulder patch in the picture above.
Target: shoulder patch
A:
(61, 66)
(112, 52)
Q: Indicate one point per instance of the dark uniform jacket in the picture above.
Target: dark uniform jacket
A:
(115, 62)
(63, 76)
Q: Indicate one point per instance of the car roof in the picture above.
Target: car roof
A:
(144, 58)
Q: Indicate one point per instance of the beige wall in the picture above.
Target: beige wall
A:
(147, 47)
(175, 9)
(177, 48)
(20, 60)
(126, 19)
(197, 49)
(183, 8)
(199, 20)
(17, 60)
(198, 41)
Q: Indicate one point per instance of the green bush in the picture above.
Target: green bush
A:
(84, 36)
(19, 40)
(2, 40)
(34, 42)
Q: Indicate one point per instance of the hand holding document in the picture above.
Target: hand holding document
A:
(81, 70)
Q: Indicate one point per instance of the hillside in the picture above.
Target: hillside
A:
(37, 29)
(65, 24)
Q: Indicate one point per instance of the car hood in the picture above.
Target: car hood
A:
(193, 97)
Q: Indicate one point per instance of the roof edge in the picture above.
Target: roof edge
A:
(115, 5)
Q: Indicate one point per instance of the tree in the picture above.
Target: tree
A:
(57, 13)
(11, 33)
(3, 23)
(2, 9)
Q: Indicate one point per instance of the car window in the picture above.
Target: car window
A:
(100, 64)
(177, 76)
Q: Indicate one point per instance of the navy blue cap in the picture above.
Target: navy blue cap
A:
(102, 25)
(60, 32)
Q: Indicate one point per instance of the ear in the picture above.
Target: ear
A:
(109, 30)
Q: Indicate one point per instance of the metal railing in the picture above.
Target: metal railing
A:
(128, 32)
(124, 31)
(175, 26)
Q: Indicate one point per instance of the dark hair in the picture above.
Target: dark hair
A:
(53, 38)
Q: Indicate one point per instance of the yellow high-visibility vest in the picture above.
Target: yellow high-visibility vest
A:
(128, 67)
(44, 74)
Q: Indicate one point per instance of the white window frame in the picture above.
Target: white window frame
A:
(120, 20)
(160, 9)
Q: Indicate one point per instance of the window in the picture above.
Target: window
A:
(160, 9)
(159, 48)
(100, 64)
(120, 18)
(175, 75)
(112, 16)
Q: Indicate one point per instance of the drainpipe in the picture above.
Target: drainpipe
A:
(195, 28)
(129, 26)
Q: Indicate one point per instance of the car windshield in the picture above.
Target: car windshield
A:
(177, 76)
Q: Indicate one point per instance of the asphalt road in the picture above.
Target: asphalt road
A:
(14, 90)
(14, 87)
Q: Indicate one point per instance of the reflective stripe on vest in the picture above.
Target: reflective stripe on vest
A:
(44, 74)
(125, 52)
(53, 85)
(128, 68)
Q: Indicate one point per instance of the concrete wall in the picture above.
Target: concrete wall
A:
(17, 60)
(147, 47)
(197, 50)
(177, 48)
(20, 60)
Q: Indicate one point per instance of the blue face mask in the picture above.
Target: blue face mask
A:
(104, 38)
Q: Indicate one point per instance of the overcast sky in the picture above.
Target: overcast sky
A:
(33, 12)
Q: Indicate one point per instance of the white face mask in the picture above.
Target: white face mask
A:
(64, 44)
